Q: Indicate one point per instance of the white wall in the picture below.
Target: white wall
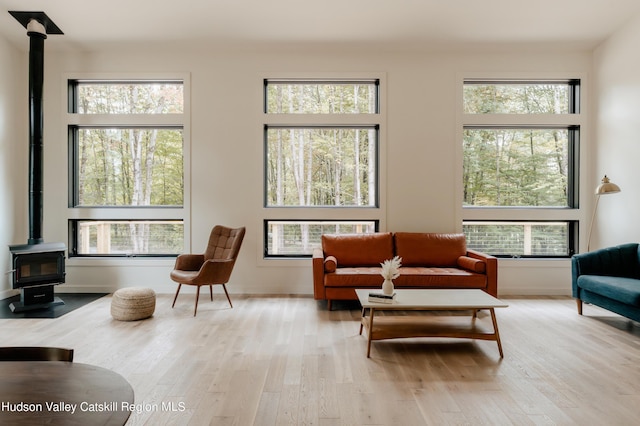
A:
(226, 180)
(13, 156)
(617, 123)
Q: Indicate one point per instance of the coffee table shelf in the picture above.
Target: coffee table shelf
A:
(409, 326)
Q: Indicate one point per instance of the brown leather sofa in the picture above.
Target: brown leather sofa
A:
(429, 260)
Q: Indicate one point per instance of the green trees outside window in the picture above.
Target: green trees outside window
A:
(321, 97)
(321, 166)
(130, 167)
(520, 97)
(516, 167)
(134, 97)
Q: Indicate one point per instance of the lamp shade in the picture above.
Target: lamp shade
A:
(606, 187)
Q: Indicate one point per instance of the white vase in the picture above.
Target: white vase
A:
(387, 287)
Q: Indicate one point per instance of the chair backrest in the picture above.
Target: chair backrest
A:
(224, 243)
(35, 353)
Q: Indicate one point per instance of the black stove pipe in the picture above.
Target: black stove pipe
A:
(36, 124)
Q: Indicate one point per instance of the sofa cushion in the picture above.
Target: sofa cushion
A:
(625, 290)
(436, 276)
(410, 277)
(430, 249)
(358, 249)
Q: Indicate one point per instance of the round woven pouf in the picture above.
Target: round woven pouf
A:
(133, 303)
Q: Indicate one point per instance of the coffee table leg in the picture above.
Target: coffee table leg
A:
(495, 331)
(361, 323)
(370, 331)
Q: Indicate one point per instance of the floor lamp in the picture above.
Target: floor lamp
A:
(606, 187)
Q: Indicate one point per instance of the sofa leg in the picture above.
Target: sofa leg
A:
(579, 302)
(328, 304)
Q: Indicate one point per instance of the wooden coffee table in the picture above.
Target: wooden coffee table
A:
(408, 326)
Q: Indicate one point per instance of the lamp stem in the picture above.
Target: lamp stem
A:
(593, 216)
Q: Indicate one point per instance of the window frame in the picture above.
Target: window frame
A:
(73, 120)
(572, 237)
(74, 235)
(576, 121)
(375, 213)
(267, 222)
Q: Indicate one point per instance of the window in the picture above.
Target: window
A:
(519, 238)
(321, 166)
(521, 97)
(519, 166)
(127, 167)
(287, 238)
(127, 237)
(321, 161)
(321, 96)
(520, 155)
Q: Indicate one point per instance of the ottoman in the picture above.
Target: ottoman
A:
(133, 303)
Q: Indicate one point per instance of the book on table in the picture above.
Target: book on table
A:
(378, 297)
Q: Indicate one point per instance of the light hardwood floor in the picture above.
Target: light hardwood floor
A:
(276, 360)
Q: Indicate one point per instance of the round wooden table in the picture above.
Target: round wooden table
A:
(62, 393)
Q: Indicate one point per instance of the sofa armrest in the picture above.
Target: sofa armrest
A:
(589, 263)
(491, 271)
(575, 273)
(318, 274)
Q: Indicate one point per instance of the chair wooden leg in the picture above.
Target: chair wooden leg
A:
(211, 291)
(579, 303)
(195, 310)
(176, 297)
(227, 293)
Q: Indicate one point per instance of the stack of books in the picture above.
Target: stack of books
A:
(378, 297)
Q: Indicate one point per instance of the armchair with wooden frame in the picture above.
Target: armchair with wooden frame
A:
(214, 266)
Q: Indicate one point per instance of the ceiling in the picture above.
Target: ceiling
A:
(393, 24)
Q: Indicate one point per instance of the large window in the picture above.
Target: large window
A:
(321, 161)
(126, 156)
(520, 148)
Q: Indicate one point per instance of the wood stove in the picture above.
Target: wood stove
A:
(37, 266)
